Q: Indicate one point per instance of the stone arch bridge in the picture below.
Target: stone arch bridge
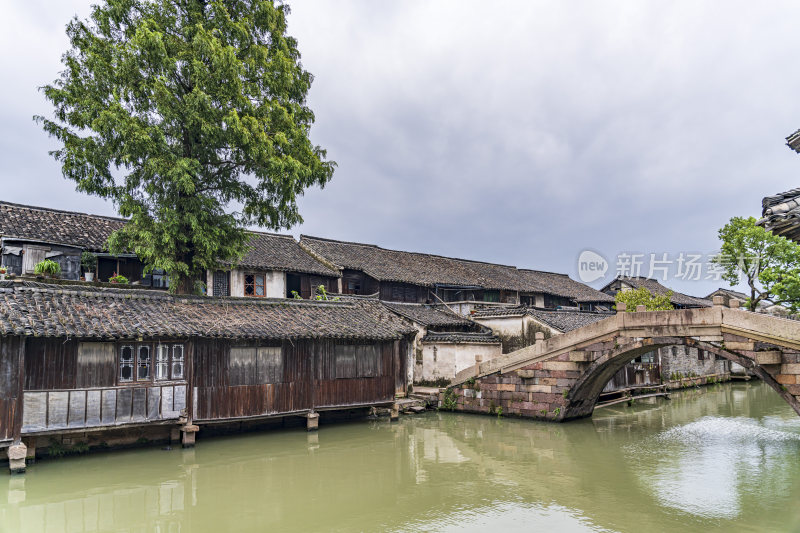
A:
(561, 378)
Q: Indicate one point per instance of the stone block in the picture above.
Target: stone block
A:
(507, 387)
(312, 419)
(793, 368)
(560, 365)
(771, 357)
(580, 356)
(786, 379)
(738, 346)
(793, 389)
(526, 374)
(16, 458)
(539, 388)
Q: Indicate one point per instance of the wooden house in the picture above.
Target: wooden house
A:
(463, 284)
(110, 364)
(274, 267)
(31, 234)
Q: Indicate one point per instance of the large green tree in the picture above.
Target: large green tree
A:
(769, 264)
(191, 116)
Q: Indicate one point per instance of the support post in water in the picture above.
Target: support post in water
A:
(394, 413)
(30, 456)
(312, 421)
(189, 431)
(16, 458)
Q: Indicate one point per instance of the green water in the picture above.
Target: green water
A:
(719, 458)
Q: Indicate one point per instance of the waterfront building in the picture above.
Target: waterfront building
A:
(101, 366)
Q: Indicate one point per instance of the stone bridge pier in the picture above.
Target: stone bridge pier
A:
(561, 378)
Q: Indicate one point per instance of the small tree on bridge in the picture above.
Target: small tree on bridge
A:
(770, 264)
(642, 296)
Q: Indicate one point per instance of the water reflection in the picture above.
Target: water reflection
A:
(717, 458)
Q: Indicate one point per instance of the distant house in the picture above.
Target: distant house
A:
(274, 267)
(446, 343)
(679, 300)
(465, 285)
(31, 234)
(517, 326)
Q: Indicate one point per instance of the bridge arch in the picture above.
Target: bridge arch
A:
(584, 394)
(561, 378)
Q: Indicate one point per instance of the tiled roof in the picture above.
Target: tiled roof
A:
(29, 308)
(459, 338)
(738, 296)
(428, 270)
(781, 214)
(565, 321)
(271, 251)
(559, 319)
(52, 226)
(516, 310)
(406, 267)
(657, 288)
(428, 315)
(561, 285)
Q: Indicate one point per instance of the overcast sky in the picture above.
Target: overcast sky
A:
(514, 132)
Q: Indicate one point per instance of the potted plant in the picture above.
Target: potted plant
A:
(3, 272)
(89, 264)
(48, 268)
(118, 278)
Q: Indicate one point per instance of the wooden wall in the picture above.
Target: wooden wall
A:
(75, 383)
(403, 292)
(11, 349)
(307, 379)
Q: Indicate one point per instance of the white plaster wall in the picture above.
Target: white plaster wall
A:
(508, 325)
(276, 284)
(445, 360)
(237, 282)
(539, 300)
(209, 282)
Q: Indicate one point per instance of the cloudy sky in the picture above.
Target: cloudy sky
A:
(514, 132)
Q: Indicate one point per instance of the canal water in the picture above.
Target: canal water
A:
(722, 458)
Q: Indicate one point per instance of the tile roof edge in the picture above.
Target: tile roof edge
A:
(63, 211)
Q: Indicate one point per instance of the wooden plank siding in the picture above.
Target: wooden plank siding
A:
(308, 379)
(11, 368)
(49, 384)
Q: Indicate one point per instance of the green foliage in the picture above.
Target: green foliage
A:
(556, 411)
(322, 294)
(642, 296)
(499, 411)
(565, 393)
(449, 400)
(175, 110)
(296, 295)
(47, 267)
(118, 278)
(88, 261)
(769, 264)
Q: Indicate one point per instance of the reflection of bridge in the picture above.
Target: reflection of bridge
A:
(561, 378)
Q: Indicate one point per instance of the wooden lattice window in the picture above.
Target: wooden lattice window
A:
(255, 285)
(126, 362)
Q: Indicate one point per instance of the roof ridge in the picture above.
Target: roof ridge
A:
(271, 234)
(375, 246)
(62, 211)
(150, 294)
